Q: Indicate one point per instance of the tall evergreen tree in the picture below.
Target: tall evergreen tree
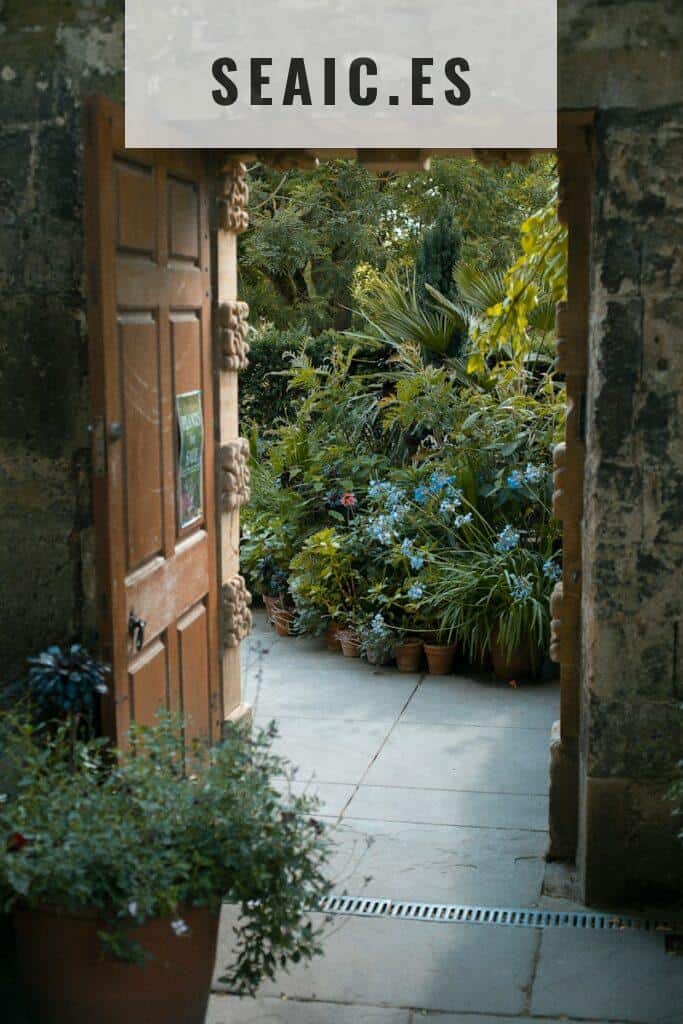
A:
(437, 257)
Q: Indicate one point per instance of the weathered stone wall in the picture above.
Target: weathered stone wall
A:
(621, 57)
(50, 55)
(632, 726)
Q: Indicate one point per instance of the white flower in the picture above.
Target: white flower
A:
(179, 927)
(133, 908)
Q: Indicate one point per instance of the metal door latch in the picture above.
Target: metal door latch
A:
(136, 630)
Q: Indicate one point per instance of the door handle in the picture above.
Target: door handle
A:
(136, 630)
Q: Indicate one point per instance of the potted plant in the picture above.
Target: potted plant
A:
(350, 643)
(115, 868)
(325, 577)
(440, 654)
(377, 640)
(496, 599)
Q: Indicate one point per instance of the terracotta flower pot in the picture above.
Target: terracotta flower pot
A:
(68, 980)
(440, 658)
(332, 641)
(408, 656)
(377, 656)
(350, 643)
(283, 619)
(513, 665)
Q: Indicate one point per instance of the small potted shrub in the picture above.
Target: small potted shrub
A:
(350, 643)
(377, 640)
(115, 868)
(440, 654)
(324, 576)
(496, 599)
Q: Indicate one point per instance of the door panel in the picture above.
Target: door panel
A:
(150, 342)
(148, 682)
(141, 438)
(193, 645)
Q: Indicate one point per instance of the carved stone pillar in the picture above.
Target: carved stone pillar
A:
(232, 351)
(235, 478)
(236, 616)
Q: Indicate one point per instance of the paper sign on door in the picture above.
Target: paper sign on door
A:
(191, 457)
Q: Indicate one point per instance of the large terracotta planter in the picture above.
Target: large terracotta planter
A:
(350, 643)
(332, 641)
(68, 980)
(408, 656)
(440, 658)
(517, 664)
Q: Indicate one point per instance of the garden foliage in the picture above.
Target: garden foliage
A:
(407, 486)
(139, 837)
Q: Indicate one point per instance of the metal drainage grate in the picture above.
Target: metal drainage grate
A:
(455, 913)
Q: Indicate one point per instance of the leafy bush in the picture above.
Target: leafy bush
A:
(139, 837)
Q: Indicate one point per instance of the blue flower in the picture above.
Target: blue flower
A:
(520, 587)
(416, 591)
(439, 481)
(380, 529)
(508, 538)
(378, 626)
(533, 474)
(462, 520)
(515, 480)
(551, 570)
(421, 495)
(450, 503)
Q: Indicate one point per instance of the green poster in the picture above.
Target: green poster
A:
(191, 456)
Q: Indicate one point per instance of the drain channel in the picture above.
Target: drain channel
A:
(506, 917)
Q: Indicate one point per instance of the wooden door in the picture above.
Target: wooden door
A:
(149, 311)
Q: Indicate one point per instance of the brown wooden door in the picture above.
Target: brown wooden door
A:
(148, 252)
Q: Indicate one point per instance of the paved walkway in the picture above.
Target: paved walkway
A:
(437, 790)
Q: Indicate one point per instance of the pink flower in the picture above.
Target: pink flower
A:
(349, 500)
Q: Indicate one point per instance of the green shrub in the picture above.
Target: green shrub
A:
(139, 837)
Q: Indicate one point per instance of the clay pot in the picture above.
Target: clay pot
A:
(408, 656)
(68, 980)
(332, 641)
(377, 656)
(283, 620)
(350, 643)
(440, 658)
(517, 664)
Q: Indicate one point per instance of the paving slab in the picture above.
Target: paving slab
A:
(624, 976)
(450, 807)
(438, 864)
(407, 964)
(329, 749)
(468, 1018)
(463, 757)
(333, 796)
(462, 700)
(231, 1010)
(309, 690)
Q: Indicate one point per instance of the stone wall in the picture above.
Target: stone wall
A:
(632, 726)
(50, 54)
